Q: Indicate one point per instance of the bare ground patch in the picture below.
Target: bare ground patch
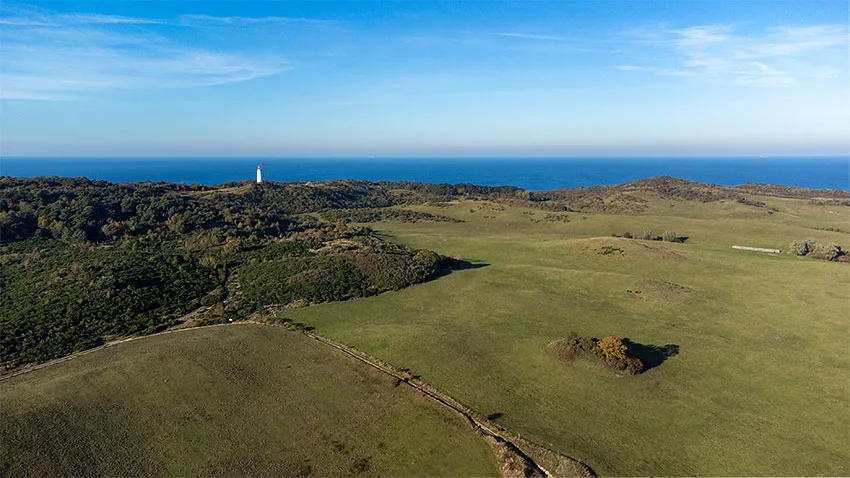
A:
(656, 290)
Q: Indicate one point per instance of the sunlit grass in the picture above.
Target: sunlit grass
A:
(239, 400)
(760, 386)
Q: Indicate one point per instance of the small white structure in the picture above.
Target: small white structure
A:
(758, 249)
(259, 174)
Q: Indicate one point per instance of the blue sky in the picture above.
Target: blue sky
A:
(466, 78)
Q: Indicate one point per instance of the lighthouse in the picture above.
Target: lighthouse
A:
(259, 174)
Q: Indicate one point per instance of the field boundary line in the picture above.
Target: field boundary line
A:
(515, 443)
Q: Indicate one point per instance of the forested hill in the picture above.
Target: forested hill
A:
(77, 209)
(86, 261)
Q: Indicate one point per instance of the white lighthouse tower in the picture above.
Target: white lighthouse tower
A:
(259, 174)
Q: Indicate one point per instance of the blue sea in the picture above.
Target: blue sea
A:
(533, 174)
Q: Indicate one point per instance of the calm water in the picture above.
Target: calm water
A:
(534, 174)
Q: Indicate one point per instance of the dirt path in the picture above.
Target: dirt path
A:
(517, 457)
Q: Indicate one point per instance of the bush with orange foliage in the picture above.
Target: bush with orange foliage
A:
(612, 348)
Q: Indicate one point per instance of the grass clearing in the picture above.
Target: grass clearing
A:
(229, 400)
(759, 386)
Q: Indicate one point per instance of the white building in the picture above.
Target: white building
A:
(259, 174)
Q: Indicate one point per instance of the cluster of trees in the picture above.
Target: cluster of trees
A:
(55, 300)
(668, 236)
(437, 192)
(76, 210)
(815, 250)
(366, 266)
(314, 279)
(610, 350)
(298, 198)
(84, 261)
(350, 194)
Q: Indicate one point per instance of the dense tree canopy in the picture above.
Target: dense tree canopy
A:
(86, 261)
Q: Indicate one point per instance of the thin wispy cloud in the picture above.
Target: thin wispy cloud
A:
(780, 56)
(60, 20)
(701, 37)
(657, 71)
(484, 39)
(99, 19)
(70, 73)
(64, 56)
(38, 17)
(236, 20)
(531, 36)
(792, 40)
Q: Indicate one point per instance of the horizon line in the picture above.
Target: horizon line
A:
(374, 157)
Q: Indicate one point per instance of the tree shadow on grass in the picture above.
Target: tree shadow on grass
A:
(651, 355)
(451, 264)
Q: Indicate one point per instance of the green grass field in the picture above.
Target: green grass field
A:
(233, 400)
(759, 387)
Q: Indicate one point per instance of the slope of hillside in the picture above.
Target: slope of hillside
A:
(228, 400)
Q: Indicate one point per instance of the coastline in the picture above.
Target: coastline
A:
(537, 174)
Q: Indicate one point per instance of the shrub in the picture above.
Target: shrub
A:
(670, 236)
(588, 344)
(571, 338)
(827, 252)
(385, 271)
(424, 264)
(647, 235)
(617, 364)
(315, 279)
(564, 350)
(811, 244)
(612, 348)
(627, 235)
(813, 249)
(634, 366)
(616, 355)
(212, 298)
(799, 248)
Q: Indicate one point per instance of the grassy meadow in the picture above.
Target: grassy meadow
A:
(759, 386)
(225, 401)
